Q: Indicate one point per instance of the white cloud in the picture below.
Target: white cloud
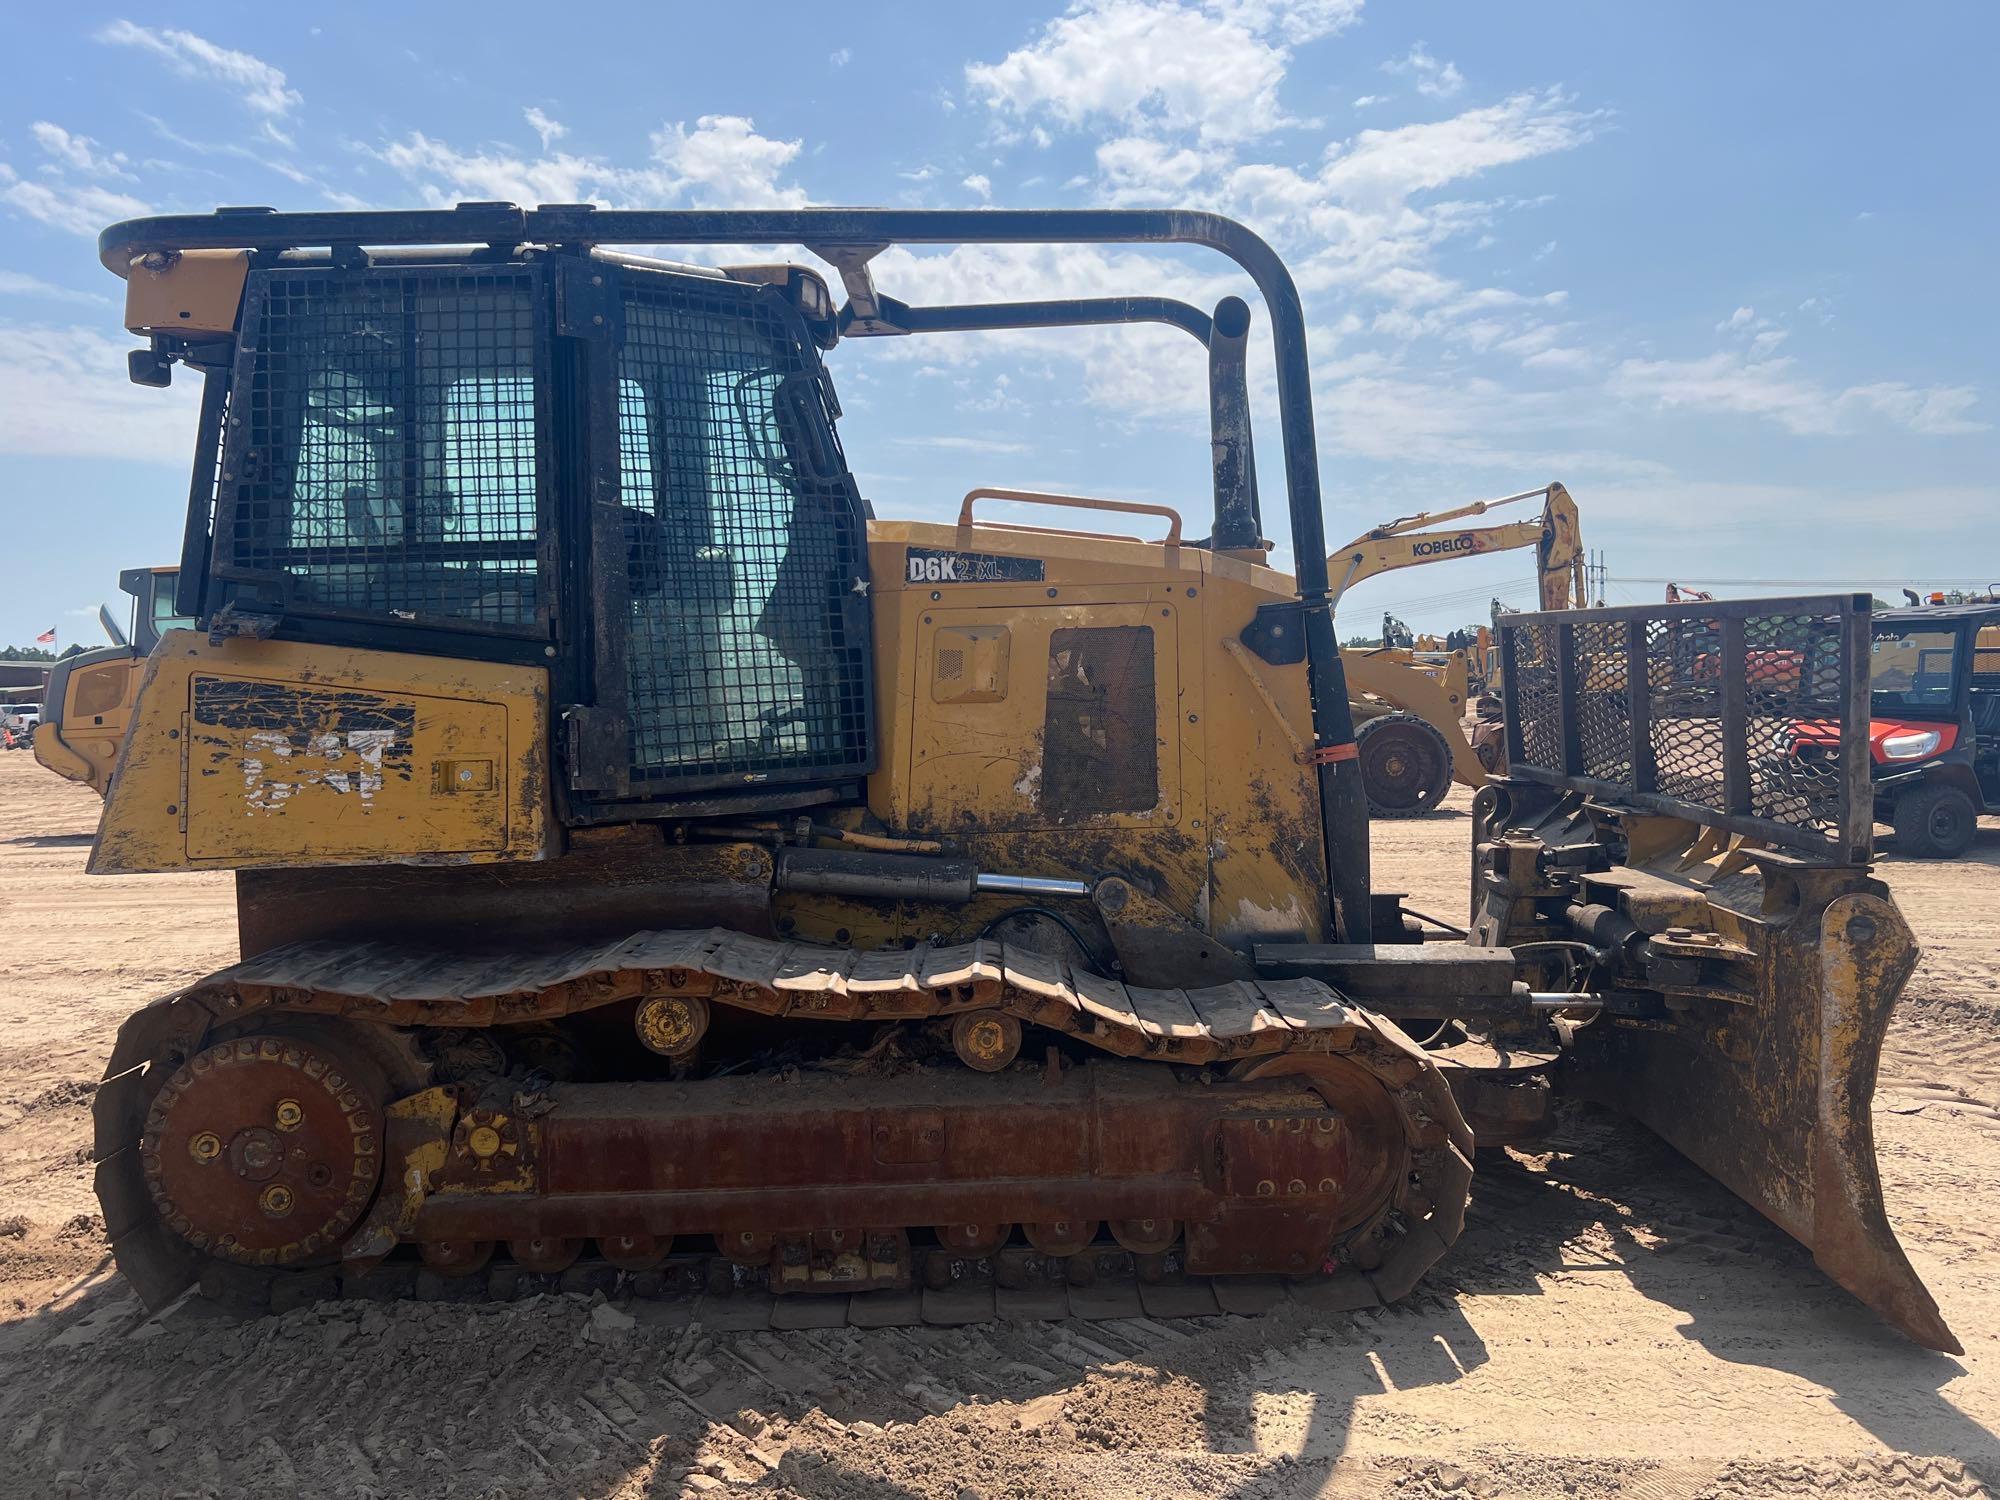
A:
(724, 163)
(550, 130)
(64, 393)
(1294, 20)
(261, 86)
(81, 208)
(721, 163)
(1388, 166)
(446, 175)
(78, 152)
(1138, 169)
(1459, 421)
(840, 57)
(981, 184)
(1565, 358)
(1763, 335)
(18, 284)
(1154, 64)
(1367, 99)
(961, 444)
(1771, 389)
(1434, 79)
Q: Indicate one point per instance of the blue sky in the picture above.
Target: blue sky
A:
(1724, 270)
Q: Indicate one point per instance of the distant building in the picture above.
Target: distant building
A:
(23, 681)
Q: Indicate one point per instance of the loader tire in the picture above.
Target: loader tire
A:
(1405, 765)
(1935, 822)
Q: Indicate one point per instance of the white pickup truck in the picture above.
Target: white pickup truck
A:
(19, 721)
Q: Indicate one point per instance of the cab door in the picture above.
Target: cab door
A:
(728, 587)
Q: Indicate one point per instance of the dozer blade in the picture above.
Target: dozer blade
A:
(1716, 756)
(1772, 1099)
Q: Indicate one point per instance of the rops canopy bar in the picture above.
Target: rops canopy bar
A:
(1343, 807)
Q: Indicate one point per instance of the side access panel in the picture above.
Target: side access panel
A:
(256, 753)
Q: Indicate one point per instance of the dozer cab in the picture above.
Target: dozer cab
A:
(654, 869)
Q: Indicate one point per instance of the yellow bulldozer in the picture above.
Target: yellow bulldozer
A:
(656, 873)
(1409, 704)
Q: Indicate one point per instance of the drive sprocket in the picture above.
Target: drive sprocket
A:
(265, 1149)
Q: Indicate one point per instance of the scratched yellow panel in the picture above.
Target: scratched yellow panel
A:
(247, 753)
(278, 768)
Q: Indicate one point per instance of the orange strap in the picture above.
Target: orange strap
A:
(1326, 755)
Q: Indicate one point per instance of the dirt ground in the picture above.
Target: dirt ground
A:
(1611, 1324)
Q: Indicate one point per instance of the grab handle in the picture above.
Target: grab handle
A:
(1077, 502)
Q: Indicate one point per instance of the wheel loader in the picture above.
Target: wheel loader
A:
(655, 870)
(89, 700)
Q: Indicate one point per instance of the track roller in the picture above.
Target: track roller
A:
(1145, 1236)
(635, 1252)
(545, 1254)
(973, 1240)
(457, 1257)
(986, 1040)
(746, 1247)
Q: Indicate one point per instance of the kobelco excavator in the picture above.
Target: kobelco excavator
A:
(1407, 711)
(657, 872)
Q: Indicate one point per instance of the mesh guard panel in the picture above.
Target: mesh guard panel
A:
(747, 656)
(382, 449)
(1746, 715)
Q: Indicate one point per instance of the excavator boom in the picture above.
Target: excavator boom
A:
(1410, 542)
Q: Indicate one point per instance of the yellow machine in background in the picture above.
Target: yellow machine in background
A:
(658, 874)
(1411, 707)
(91, 695)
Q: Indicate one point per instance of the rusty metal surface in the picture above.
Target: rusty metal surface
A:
(1360, 1141)
(607, 884)
(411, 986)
(1119, 1140)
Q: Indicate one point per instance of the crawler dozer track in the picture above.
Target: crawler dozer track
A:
(370, 1111)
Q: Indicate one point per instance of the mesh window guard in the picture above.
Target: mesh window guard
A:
(747, 655)
(383, 441)
(1746, 715)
